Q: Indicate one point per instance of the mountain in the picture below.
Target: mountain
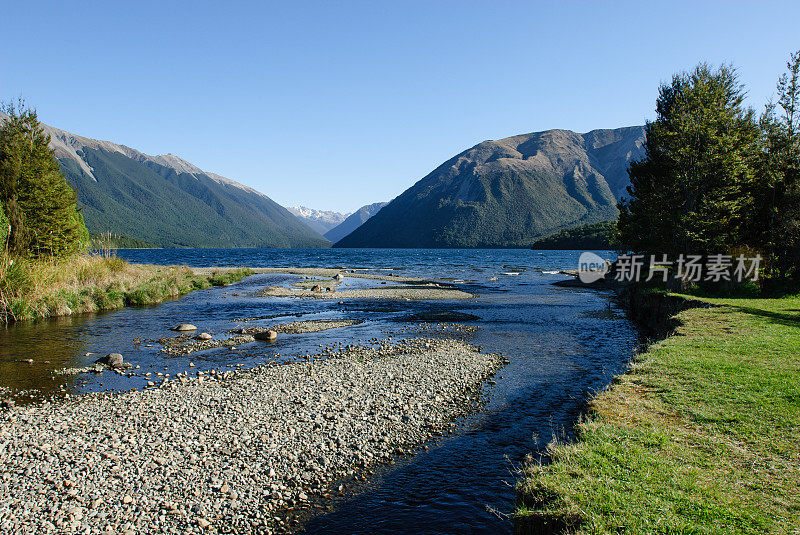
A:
(169, 202)
(319, 220)
(355, 220)
(510, 192)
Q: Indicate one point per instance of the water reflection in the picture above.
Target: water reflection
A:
(30, 353)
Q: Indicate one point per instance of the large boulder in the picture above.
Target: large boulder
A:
(268, 335)
(113, 361)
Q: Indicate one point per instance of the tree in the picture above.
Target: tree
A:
(39, 203)
(776, 193)
(686, 194)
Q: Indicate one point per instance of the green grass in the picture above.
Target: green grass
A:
(223, 278)
(701, 435)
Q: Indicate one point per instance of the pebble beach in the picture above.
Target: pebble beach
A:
(230, 452)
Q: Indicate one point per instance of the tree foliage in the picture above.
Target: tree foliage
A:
(776, 195)
(715, 180)
(597, 236)
(39, 203)
(686, 194)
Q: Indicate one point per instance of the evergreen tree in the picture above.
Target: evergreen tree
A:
(776, 193)
(38, 201)
(686, 194)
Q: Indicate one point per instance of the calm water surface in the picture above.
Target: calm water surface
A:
(563, 344)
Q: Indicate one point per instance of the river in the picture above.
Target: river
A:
(563, 344)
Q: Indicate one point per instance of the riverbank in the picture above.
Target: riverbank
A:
(232, 451)
(700, 434)
(42, 289)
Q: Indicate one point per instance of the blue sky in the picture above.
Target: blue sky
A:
(338, 104)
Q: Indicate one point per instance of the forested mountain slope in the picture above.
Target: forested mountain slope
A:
(510, 192)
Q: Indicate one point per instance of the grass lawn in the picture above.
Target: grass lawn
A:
(701, 435)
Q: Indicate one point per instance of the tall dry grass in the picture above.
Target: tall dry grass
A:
(99, 280)
(104, 245)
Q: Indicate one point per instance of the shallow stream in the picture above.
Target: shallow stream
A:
(562, 343)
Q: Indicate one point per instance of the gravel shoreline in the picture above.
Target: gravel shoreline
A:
(229, 452)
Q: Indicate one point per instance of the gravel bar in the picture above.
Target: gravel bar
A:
(230, 452)
(186, 344)
(313, 326)
(416, 292)
(311, 272)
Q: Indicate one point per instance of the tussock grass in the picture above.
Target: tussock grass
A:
(33, 289)
(701, 435)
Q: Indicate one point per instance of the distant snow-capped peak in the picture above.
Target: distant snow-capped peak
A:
(323, 216)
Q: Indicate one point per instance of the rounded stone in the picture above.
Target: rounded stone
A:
(184, 327)
(269, 335)
(112, 360)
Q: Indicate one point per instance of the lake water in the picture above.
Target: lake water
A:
(563, 344)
